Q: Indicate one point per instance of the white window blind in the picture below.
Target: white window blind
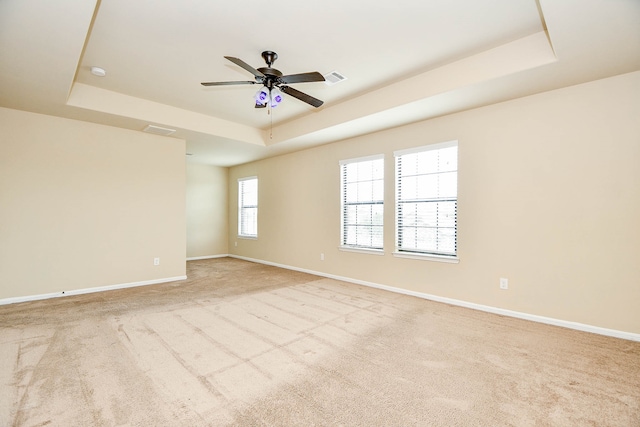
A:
(248, 207)
(362, 196)
(427, 199)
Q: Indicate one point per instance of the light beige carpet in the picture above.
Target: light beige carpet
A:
(251, 345)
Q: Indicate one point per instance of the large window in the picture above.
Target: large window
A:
(362, 195)
(427, 199)
(248, 207)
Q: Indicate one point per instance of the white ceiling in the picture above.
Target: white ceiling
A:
(405, 61)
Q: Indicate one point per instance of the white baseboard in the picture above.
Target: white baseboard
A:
(196, 258)
(15, 300)
(489, 309)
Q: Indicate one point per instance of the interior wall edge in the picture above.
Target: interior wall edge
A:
(461, 303)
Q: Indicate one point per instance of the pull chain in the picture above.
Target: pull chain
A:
(271, 118)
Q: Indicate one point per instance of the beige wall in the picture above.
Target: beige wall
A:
(86, 205)
(549, 197)
(207, 213)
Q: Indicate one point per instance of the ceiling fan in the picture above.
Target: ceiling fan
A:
(273, 82)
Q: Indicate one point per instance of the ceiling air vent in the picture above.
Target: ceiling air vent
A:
(333, 78)
(158, 130)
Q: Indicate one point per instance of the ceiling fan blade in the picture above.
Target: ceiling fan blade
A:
(244, 65)
(301, 96)
(227, 83)
(302, 78)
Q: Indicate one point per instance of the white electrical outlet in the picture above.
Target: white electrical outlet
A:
(321, 257)
(236, 244)
(504, 283)
(156, 261)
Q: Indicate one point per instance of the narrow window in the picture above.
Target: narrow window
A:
(248, 207)
(427, 200)
(362, 202)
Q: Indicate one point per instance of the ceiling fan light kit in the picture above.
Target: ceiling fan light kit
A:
(262, 96)
(276, 97)
(274, 82)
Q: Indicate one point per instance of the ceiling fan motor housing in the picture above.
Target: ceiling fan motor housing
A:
(271, 76)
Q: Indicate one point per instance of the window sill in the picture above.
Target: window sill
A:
(427, 257)
(362, 250)
(248, 237)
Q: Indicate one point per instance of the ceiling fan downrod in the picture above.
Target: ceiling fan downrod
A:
(269, 57)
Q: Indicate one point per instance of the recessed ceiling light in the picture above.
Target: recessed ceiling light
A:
(97, 71)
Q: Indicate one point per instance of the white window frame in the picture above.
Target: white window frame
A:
(421, 251)
(346, 205)
(247, 230)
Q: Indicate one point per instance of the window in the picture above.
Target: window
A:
(427, 199)
(248, 207)
(362, 195)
